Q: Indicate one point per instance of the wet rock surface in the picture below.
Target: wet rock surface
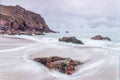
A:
(71, 39)
(99, 37)
(63, 65)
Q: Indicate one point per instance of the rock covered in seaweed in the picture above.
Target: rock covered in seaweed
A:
(71, 39)
(99, 37)
(63, 65)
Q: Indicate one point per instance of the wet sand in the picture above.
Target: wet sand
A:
(17, 63)
(11, 43)
(99, 64)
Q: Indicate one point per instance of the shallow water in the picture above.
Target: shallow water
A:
(100, 58)
(115, 36)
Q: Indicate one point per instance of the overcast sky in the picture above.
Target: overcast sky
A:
(75, 15)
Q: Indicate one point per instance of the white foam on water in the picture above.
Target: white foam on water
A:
(100, 57)
(33, 38)
(23, 37)
(97, 43)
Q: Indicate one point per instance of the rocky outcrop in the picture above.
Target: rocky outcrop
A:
(99, 37)
(17, 20)
(71, 39)
(63, 65)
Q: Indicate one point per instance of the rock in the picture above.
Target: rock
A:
(71, 39)
(18, 20)
(66, 31)
(63, 65)
(99, 37)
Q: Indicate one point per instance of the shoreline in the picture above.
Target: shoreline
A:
(11, 42)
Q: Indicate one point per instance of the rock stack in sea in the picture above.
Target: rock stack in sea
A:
(17, 20)
(63, 65)
(71, 39)
(99, 37)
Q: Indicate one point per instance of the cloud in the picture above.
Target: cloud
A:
(75, 14)
(75, 7)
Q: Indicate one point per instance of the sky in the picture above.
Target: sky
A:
(75, 15)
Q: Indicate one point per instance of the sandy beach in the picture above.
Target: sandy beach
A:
(59, 40)
(11, 43)
(17, 64)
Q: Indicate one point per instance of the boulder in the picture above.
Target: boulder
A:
(99, 37)
(63, 65)
(66, 31)
(71, 39)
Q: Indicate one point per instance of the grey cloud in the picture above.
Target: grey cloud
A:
(74, 14)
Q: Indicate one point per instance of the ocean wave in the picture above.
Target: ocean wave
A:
(87, 42)
(33, 38)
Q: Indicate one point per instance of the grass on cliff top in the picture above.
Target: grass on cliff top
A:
(5, 17)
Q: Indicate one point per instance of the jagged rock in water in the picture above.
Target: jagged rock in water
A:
(63, 65)
(99, 37)
(17, 20)
(71, 39)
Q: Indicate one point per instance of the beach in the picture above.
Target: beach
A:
(59, 40)
(11, 43)
(16, 58)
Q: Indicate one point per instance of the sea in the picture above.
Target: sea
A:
(101, 59)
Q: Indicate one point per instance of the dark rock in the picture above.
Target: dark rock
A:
(99, 37)
(66, 31)
(63, 65)
(71, 39)
(19, 21)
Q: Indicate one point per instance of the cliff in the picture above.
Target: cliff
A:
(17, 20)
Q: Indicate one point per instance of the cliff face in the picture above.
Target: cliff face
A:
(17, 20)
